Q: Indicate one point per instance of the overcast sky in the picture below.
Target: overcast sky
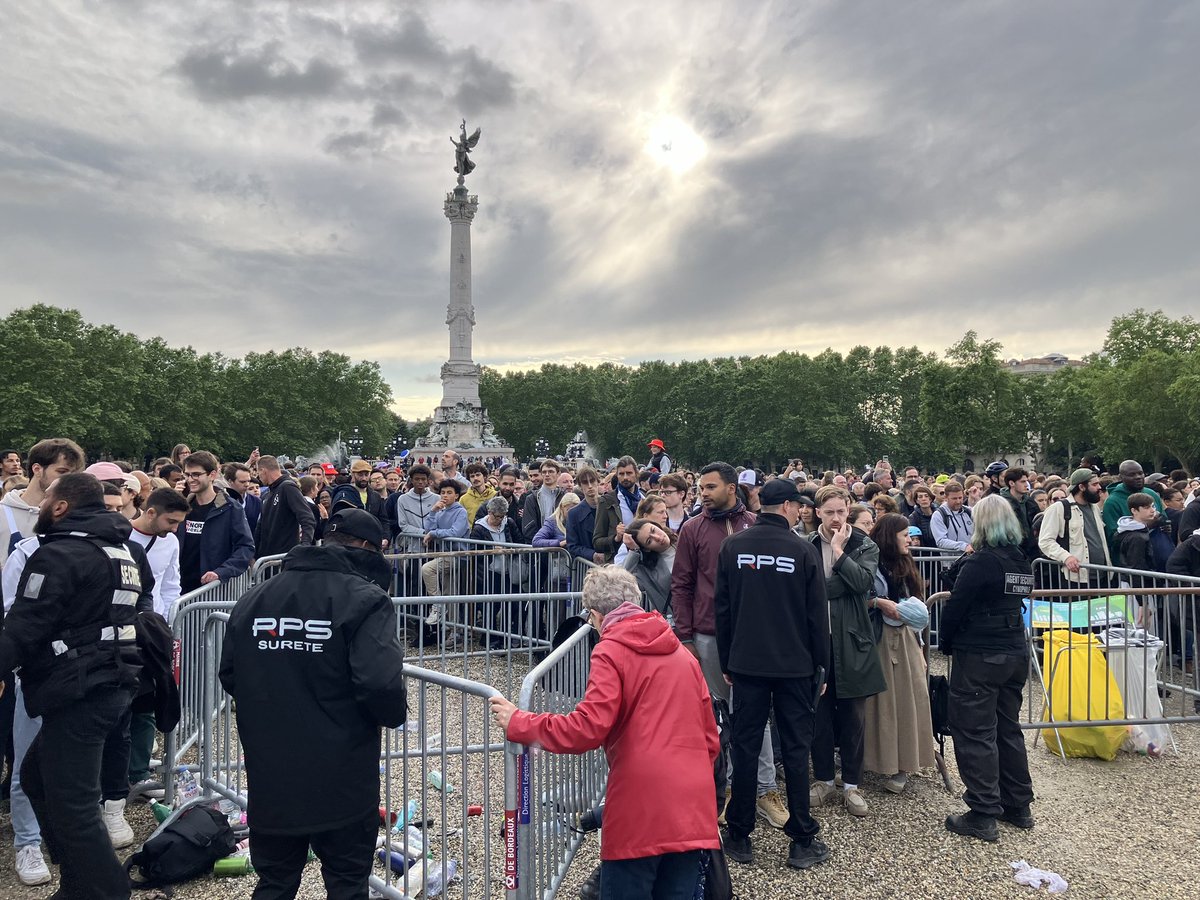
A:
(667, 180)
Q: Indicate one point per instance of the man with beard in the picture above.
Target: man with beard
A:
(507, 489)
(1133, 479)
(359, 493)
(70, 630)
(48, 460)
(1073, 530)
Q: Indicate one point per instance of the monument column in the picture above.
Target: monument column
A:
(460, 375)
(460, 421)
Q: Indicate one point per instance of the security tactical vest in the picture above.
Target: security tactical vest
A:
(78, 659)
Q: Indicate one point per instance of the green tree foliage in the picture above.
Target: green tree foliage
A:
(121, 396)
(1140, 397)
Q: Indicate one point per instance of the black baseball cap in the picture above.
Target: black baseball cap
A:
(777, 491)
(358, 524)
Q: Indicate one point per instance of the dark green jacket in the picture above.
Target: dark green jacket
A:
(856, 666)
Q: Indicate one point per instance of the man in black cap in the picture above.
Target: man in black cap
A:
(312, 658)
(773, 643)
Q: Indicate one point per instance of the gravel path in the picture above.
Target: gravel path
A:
(1127, 828)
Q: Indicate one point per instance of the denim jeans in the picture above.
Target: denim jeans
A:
(26, 831)
(671, 876)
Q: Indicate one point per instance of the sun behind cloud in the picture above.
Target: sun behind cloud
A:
(673, 144)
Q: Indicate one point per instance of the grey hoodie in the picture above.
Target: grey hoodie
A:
(952, 531)
(411, 511)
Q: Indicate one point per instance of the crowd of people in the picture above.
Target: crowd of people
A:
(790, 597)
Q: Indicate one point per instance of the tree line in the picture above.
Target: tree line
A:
(127, 397)
(1138, 397)
(124, 397)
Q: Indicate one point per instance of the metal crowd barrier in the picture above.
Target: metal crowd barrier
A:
(187, 626)
(481, 642)
(551, 791)
(487, 637)
(463, 566)
(444, 773)
(931, 562)
(1144, 625)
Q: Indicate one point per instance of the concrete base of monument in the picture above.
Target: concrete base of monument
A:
(432, 456)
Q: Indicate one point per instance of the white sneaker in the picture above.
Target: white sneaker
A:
(434, 617)
(31, 867)
(119, 831)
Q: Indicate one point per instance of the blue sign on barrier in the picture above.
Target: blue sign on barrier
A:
(524, 801)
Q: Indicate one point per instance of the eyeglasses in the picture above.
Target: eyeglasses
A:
(191, 476)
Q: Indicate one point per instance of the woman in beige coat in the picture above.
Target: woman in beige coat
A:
(899, 733)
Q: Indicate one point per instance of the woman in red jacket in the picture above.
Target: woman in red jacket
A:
(647, 703)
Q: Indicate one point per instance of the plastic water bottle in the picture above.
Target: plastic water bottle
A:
(409, 817)
(161, 811)
(413, 844)
(436, 781)
(440, 876)
(231, 811)
(187, 788)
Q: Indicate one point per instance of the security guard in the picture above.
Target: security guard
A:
(71, 631)
(773, 643)
(983, 628)
(313, 660)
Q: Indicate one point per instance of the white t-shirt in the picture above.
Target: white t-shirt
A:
(163, 555)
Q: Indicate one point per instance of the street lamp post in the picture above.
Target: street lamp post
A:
(355, 444)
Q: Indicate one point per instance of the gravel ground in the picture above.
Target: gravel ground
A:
(1126, 828)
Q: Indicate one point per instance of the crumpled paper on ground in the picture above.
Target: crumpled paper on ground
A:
(1026, 874)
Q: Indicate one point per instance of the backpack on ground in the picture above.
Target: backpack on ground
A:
(184, 849)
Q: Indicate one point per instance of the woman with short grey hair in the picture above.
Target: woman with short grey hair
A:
(607, 587)
(983, 627)
(648, 705)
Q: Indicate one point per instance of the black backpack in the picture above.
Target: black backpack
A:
(185, 849)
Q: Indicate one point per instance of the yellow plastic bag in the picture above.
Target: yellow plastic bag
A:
(1081, 688)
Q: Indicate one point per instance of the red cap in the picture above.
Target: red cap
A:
(329, 468)
(657, 443)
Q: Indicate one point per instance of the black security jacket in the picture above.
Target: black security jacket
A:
(287, 519)
(66, 593)
(983, 614)
(771, 610)
(313, 661)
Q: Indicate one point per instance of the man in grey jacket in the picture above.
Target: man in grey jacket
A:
(952, 522)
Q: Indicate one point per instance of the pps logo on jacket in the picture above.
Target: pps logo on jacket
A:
(784, 565)
(310, 634)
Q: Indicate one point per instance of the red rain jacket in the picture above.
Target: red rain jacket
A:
(648, 704)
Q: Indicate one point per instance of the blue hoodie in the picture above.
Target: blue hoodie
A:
(450, 522)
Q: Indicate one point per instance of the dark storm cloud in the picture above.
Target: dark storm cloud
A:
(484, 85)
(386, 115)
(409, 41)
(218, 75)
